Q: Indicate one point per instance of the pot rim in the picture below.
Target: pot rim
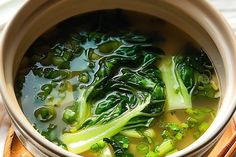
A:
(26, 128)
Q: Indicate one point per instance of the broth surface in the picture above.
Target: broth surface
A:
(64, 92)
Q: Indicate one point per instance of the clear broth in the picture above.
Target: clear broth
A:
(174, 40)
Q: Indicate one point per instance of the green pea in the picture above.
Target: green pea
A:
(45, 113)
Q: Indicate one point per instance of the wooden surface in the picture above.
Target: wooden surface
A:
(225, 147)
(13, 147)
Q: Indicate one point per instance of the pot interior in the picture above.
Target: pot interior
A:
(49, 13)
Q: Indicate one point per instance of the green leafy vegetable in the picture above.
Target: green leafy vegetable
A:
(122, 140)
(82, 140)
(126, 97)
(118, 150)
(176, 92)
(120, 145)
(187, 76)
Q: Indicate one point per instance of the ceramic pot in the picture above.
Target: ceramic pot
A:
(197, 18)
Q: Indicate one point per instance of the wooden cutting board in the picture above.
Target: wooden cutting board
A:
(225, 147)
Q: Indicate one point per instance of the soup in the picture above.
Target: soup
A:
(119, 84)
